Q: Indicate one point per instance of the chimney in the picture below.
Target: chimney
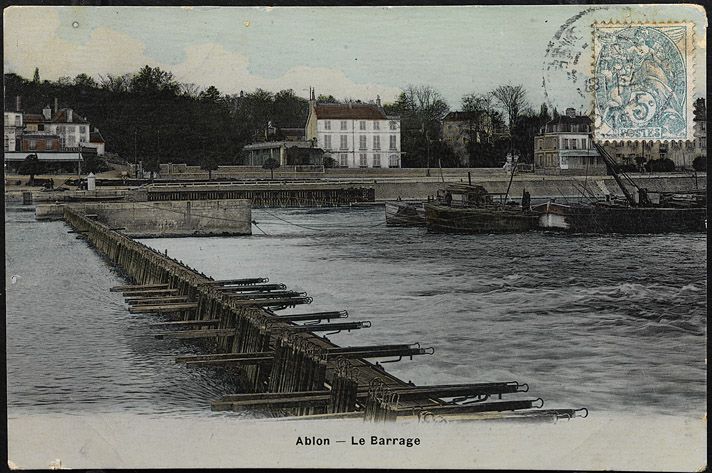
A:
(378, 100)
(18, 103)
(47, 113)
(56, 105)
(571, 112)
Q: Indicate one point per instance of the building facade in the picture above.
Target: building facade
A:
(355, 135)
(39, 141)
(72, 129)
(284, 152)
(564, 146)
(13, 125)
(96, 141)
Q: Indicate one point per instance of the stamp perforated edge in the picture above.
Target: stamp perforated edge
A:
(691, 74)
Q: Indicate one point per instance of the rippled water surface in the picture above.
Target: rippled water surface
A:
(614, 323)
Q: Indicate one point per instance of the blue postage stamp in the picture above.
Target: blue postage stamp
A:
(643, 76)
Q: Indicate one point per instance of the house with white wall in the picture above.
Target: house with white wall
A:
(355, 134)
(12, 130)
(73, 130)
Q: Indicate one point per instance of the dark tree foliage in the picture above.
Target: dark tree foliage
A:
(525, 128)
(209, 163)
(31, 166)
(329, 162)
(421, 109)
(271, 164)
(660, 165)
(93, 163)
(151, 112)
(700, 163)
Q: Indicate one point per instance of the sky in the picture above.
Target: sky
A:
(354, 52)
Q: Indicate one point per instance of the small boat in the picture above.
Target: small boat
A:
(405, 214)
(461, 208)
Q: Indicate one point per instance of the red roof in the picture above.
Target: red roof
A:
(61, 117)
(95, 137)
(353, 111)
(32, 117)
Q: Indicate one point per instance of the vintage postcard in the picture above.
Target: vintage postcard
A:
(468, 237)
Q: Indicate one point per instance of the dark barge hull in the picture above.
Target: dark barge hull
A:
(444, 219)
(405, 214)
(610, 219)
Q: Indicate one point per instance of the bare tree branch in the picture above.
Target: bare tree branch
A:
(512, 99)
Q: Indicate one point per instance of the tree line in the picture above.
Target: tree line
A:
(150, 116)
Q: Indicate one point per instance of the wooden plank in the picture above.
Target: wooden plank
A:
(161, 308)
(251, 396)
(156, 300)
(218, 356)
(150, 292)
(232, 361)
(307, 401)
(208, 333)
(186, 323)
(137, 287)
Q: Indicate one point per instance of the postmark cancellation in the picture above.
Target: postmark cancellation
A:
(643, 81)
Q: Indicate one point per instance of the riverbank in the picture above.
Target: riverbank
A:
(561, 188)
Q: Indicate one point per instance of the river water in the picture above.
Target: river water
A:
(613, 323)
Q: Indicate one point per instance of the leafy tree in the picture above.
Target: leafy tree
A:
(526, 127)
(271, 164)
(660, 165)
(31, 166)
(326, 99)
(83, 80)
(329, 162)
(150, 80)
(211, 94)
(91, 163)
(36, 76)
(210, 164)
(700, 163)
(421, 109)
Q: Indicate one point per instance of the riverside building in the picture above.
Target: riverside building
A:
(355, 134)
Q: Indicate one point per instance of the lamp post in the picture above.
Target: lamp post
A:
(135, 153)
(427, 148)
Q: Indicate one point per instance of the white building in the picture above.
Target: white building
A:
(354, 134)
(12, 130)
(72, 129)
(564, 146)
(96, 140)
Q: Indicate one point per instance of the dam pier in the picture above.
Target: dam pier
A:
(285, 363)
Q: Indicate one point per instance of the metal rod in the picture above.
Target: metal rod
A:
(313, 316)
(329, 327)
(186, 323)
(251, 288)
(227, 282)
